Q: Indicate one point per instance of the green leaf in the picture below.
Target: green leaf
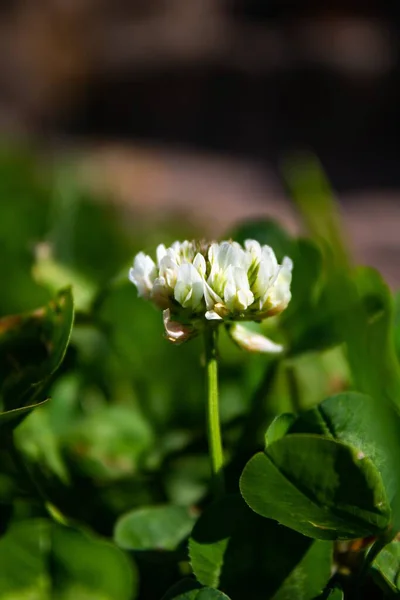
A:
(317, 486)
(251, 557)
(364, 320)
(386, 568)
(187, 589)
(279, 427)
(46, 561)
(367, 426)
(154, 528)
(187, 478)
(310, 574)
(24, 200)
(307, 270)
(307, 322)
(38, 442)
(370, 341)
(312, 193)
(365, 317)
(53, 275)
(138, 342)
(16, 415)
(332, 594)
(32, 347)
(111, 441)
(181, 589)
(336, 594)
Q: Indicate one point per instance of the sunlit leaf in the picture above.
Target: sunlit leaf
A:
(317, 486)
(386, 568)
(370, 428)
(279, 427)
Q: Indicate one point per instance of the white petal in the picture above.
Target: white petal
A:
(210, 296)
(143, 274)
(231, 253)
(213, 252)
(237, 293)
(253, 247)
(244, 299)
(287, 264)
(253, 342)
(230, 288)
(267, 271)
(169, 270)
(241, 281)
(199, 263)
(279, 295)
(225, 256)
(211, 315)
(269, 259)
(133, 277)
(189, 287)
(187, 251)
(161, 252)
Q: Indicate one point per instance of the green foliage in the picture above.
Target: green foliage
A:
(43, 560)
(279, 427)
(372, 430)
(386, 568)
(233, 548)
(153, 528)
(32, 346)
(189, 590)
(311, 437)
(332, 594)
(319, 487)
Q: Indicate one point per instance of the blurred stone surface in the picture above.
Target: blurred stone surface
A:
(54, 53)
(202, 81)
(215, 192)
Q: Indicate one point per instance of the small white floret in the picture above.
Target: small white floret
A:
(253, 342)
(143, 274)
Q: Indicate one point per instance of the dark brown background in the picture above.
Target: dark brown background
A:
(194, 103)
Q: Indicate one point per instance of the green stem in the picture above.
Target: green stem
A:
(213, 423)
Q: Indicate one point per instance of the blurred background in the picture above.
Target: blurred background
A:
(191, 107)
(130, 123)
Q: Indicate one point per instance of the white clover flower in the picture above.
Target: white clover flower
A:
(143, 274)
(222, 282)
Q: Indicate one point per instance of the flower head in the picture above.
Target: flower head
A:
(222, 282)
